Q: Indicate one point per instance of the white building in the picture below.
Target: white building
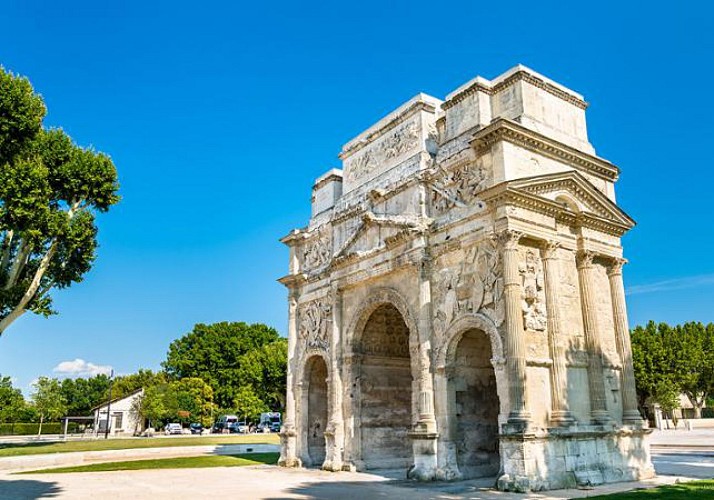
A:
(124, 418)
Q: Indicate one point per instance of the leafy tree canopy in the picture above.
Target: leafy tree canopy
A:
(229, 355)
(83, 394)
(12, 404)
(50, 192)
(669, 360)
(48, 400)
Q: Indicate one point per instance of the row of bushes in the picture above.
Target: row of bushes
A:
(26, 429)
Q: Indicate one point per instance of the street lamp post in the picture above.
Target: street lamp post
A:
(109, 406)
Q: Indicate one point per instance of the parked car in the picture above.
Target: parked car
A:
(173, 428)
(223, 424)
(196, 428)
(239, 427)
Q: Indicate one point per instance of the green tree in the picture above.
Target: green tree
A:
(677, 359)
(48, 400)
(12, 404)
(157, 404)
(215, 353)
(265, 369)
(50, 192)
(248, 405)
(83, 394)
(195, 397)
(126, 384)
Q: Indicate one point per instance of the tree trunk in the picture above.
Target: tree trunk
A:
(698, 409)
(39, 429)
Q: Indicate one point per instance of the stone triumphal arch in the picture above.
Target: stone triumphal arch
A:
(456, 304)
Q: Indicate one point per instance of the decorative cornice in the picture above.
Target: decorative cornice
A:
(481, 85)
(507, 195)
(293, 280)
(507, 130)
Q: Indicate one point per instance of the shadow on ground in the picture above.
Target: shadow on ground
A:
(27, 489)
(392, 488)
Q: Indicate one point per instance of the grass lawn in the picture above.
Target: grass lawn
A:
(694, 490)
(17, 449)
(171, 463)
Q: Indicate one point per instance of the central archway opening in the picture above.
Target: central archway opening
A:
(385, 390)
(476, 406)
(316, 409)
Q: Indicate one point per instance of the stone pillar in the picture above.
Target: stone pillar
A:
(519, 416)
(560, 406)
(288, 432)
(334, 432)
(630, 413)
(596, 378)
(424, 435)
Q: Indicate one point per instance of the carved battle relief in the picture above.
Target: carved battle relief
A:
(317, 252)
(457, 187)
(392, 146)
(533, 292)
(475, 286)
(314, 324)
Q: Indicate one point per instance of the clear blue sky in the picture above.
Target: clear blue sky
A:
(220, 115)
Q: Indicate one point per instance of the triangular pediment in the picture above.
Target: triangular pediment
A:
(575, 193)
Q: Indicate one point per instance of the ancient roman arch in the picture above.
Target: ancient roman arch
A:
(456, 304)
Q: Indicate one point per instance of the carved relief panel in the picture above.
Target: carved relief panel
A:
(317, 251)
(392, 146)
(315, 320)
(532, 291)
(457, 187)
(473, 286)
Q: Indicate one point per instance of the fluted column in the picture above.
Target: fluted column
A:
(288, 433)
(598, 405)
(560, 406)
(334, 433)
(427, 420)
(630, 413)
(515, 333)
(424, 435)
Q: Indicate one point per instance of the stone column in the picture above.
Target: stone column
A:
(560, 406)
(630, 413)
(424, 434)
(288, 432)
(596, 378)
(519, 416)
(334, 432)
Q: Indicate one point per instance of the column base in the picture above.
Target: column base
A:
(561, 418)
(288, 445)
(333, 445)
(632, 418)
(424, 445)
(600, 417)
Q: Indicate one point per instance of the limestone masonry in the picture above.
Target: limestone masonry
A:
(456, 304)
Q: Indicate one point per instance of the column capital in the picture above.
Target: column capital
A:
(508, 239)
(549, 248)
(614, 267)
(335, 291)
(584, 258)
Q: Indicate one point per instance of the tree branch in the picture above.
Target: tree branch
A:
(23, 252)
(20, 308)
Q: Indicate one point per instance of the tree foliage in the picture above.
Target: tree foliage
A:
(50, 192)
(48, 400)
(185, 400)
(83, 394)
(230, 355)
(672, 360)
(248, 405)
(126, 384)
(12, 403)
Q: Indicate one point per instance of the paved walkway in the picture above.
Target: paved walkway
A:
(686, 458)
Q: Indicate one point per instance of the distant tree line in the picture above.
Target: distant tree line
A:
(673, 360)
(220, 368)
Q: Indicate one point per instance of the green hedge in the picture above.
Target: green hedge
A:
(27, 429)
